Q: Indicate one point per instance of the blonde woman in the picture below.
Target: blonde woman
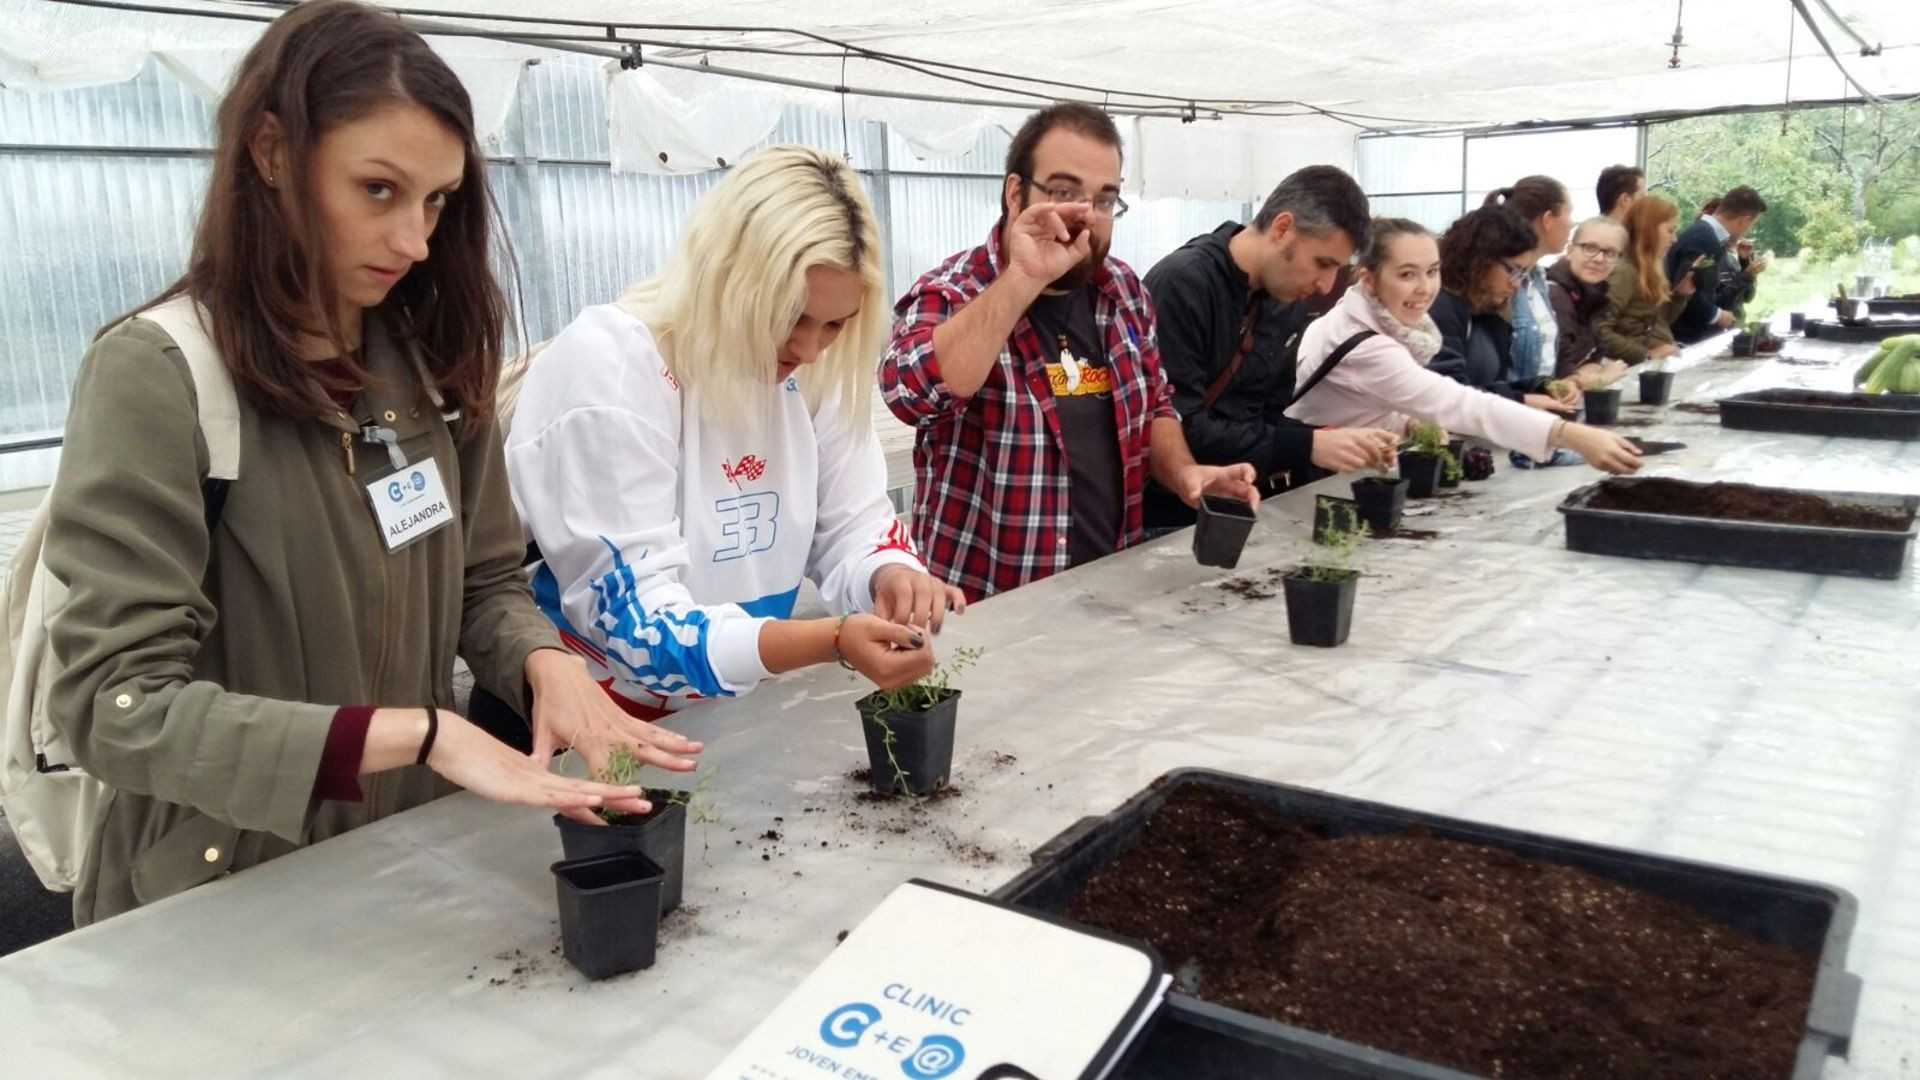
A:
(684, 457)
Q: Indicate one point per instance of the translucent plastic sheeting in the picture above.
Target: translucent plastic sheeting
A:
(1759, 719)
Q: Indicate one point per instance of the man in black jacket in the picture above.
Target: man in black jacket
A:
(1699, 250)
(1230, 307)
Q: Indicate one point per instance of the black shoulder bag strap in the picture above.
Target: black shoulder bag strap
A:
(1332, 361)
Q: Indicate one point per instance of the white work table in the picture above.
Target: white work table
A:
(1760, 719)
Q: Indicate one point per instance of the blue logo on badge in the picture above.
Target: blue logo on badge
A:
(419, 480)
(844, 1025)
(395, 491)
(937, 1056)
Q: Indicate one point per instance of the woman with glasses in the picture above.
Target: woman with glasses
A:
(1577, 285)
(1484, 257)
(1542, 201)
(1641, 303)
(1385, 379)
(684, 457)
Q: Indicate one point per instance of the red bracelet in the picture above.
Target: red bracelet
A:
(837, 654)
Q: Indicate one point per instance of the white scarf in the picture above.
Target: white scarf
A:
(1423, 341)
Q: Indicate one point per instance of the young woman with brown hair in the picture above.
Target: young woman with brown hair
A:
(256, 667)
(1484, 257)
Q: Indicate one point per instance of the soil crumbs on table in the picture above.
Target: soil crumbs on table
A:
(1744, 502)
(1448, 952)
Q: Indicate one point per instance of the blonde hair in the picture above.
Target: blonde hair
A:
(725, 304)
(1602, 222)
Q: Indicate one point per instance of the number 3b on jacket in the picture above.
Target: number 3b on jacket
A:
(749, 523)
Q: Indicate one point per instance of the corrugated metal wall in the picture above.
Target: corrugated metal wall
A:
(99, 190)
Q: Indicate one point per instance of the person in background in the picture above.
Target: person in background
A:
(1641, 304)
(1697, 253)
(1383, 379)
(1484, 257)
(1739, 270)
(1577, 285)
(1230, 308)
(684, 457)
(257, 671)
(1542, 201)
(1619, 187)
(1030, 366)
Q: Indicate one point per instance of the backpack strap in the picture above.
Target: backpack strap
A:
(1240, 351)
(186, 323)
(1332, 361)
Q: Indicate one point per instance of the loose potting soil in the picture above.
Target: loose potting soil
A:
(1744, 502)
(1448, 952)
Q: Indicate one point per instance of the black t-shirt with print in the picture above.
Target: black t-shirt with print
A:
(1088, 428)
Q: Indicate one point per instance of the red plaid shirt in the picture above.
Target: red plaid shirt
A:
(990, 505)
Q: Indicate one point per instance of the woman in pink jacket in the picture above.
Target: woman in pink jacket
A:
(1383, 380)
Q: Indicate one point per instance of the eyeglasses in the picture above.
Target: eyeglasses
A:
(1110, 206)
(1514, 273)
(1598, 253)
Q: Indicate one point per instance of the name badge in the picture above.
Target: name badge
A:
(410, 503)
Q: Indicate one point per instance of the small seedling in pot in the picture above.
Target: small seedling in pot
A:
(1320, 591)
(1429, 438)
(1333, 557)
(921, 699)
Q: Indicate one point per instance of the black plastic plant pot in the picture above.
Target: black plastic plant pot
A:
(1477, 463)
(1603, 406)
(1332, 514)
(1458, 448)
(1743, 344)
(1422, 473)
(1320, 613)
(1222, 531)
(1380, 500)
(1655, 387)
(920, 759)
(660, 836)
(609, 912)
(1192, 1037)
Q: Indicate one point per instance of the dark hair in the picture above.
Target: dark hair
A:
(1385, 231)
(1617, 182)
(1530, 197)
(1478, 240)
(1075, 116)
(1742, 201)
(259, 260)
(1711, 206)
(1321, 198)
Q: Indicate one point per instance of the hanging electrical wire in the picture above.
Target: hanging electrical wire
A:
(1865, 49)
(1025, 92)
(1814, 28)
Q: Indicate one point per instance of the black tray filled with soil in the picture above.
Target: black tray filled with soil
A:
(1877, 329)
(1894, 305)
(1819, 412)
(1816, 532)
(1318, 936)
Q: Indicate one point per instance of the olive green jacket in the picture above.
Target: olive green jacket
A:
(1631, 327)
(201, 671)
